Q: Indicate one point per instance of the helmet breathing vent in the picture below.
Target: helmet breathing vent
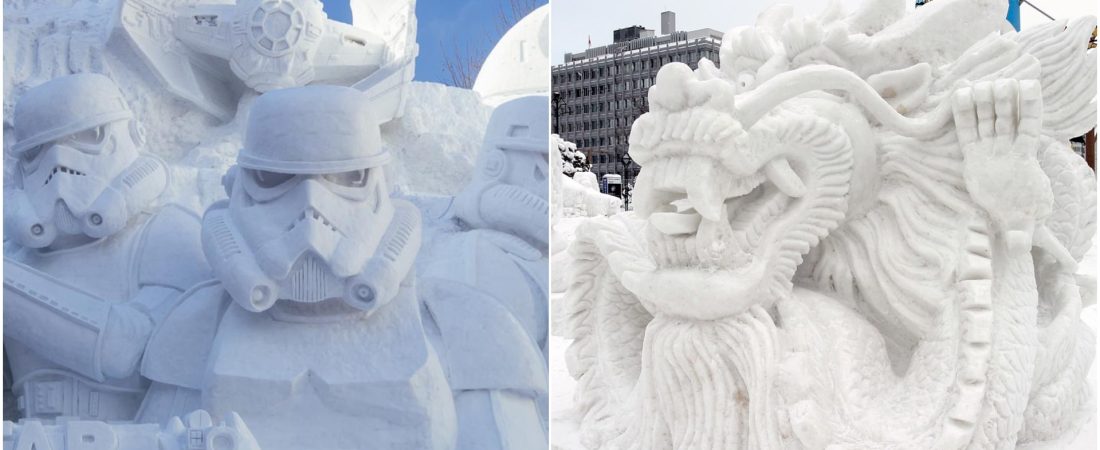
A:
(142, 169)
(64, 218)
(308, 280)
(223, 236)
(403, 229)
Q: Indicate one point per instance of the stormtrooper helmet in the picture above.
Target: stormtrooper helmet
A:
(508, 192)
(79, 168)
(308, 201)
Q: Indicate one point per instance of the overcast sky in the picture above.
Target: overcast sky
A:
(573, 21)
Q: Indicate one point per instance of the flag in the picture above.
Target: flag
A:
(1014, 14)
(590, 41)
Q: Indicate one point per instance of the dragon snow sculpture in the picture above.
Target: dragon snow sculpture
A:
(860, 232)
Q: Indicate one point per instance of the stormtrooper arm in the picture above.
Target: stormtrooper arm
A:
(500, 382)
(498, 420)
(76, 329)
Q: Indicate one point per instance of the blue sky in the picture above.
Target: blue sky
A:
(442, 25)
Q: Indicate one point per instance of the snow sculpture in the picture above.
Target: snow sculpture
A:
(498, 241)
(312, 325)
(571, 160)
(512, 170)
(45, 40)
(518, 64)
(580, 194)
(90, 268)
(574, 197)
(419, 379)
(198, 432)
(856, 234)
(313, 329)
(270, 44)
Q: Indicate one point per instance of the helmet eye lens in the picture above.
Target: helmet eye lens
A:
(88, 141)
(91, 136)
(31, 157)
(32, 154)
(354, 178)
(267, 179)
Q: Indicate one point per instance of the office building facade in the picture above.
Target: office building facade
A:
(598, 93)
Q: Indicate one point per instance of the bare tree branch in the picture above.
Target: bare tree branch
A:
(462, 63)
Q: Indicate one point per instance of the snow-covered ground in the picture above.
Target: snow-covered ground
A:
(564, 426)
(564, 429)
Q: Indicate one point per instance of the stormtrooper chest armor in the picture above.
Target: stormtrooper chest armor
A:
(104, 268)
(335, 384)
(107, 269)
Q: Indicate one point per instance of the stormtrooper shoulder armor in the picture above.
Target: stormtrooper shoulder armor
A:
(483, 346)
(486, 256)
(177, 352)
(507, 243)
(170, 253)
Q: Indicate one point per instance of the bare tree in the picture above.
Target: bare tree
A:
(462, 62)
(515, 10)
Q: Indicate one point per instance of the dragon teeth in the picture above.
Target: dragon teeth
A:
(675, 223)
(704, 193)
(780, 173)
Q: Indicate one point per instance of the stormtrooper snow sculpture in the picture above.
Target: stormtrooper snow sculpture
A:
(89, 269)
(512, 171)
(498, 250)
(855, 234)
(315, 329)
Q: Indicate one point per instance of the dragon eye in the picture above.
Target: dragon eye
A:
(745, 80)
(267, 179)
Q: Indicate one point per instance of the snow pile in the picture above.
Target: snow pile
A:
(437, 141)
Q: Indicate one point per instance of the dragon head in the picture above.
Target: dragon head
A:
(735, 188)
(798, 137)
(827, 139)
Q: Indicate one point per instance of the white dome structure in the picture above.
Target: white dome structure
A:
(520, 62)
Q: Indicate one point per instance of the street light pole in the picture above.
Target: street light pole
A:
(557, 103)
(627, 172)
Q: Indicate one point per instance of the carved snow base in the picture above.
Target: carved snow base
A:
(194, 432)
